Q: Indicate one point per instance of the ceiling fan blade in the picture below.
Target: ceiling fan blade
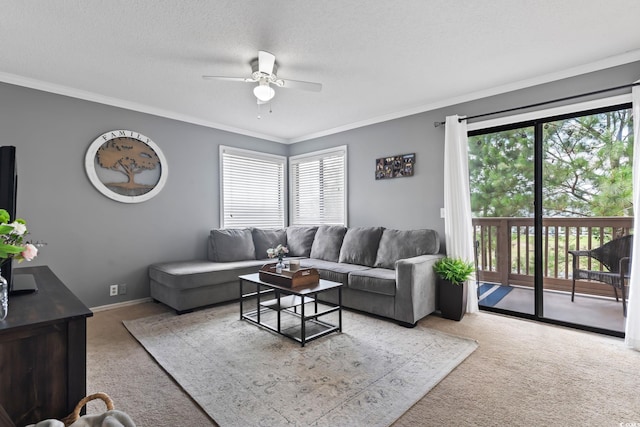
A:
(266, 61)
(297, 84)
(230, 79)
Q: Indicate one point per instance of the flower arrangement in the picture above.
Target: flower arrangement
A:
(11, 239)
(277, 252)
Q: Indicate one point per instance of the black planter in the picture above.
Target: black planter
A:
(452, 299)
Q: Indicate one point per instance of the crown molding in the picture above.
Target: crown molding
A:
(609, 62)
(128, 105)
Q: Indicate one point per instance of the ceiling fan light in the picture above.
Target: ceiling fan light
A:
(264, 92)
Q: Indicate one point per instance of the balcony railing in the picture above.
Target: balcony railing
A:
(506, 249)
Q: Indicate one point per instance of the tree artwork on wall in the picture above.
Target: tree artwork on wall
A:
(395, 166)
(126, 166)
(130, 157)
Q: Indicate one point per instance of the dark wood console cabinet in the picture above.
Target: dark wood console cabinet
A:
(43, 351)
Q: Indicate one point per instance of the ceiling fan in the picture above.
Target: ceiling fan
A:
(264, 69)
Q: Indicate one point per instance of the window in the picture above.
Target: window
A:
(318, 187)
(252, 187)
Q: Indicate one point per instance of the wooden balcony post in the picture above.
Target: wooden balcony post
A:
(503, 250)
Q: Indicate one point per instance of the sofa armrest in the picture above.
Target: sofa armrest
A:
(415, 288)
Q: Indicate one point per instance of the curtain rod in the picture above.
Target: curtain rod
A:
(568, 98)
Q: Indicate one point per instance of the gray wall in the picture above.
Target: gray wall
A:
(94, 241)
(403, 203)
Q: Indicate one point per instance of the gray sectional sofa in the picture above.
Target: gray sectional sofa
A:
(385, 272)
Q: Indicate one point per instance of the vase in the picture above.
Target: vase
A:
(4, 298)
(279, 265)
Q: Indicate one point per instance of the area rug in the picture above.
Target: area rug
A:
(243, 375)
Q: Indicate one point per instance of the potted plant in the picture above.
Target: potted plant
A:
(453, 274)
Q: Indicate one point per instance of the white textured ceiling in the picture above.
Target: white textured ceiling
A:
(376, 59)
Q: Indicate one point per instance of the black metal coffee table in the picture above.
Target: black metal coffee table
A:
(279, 300)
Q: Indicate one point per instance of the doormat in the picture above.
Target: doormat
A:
(491, 294)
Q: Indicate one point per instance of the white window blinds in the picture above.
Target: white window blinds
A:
(318, 187)
(252, 187)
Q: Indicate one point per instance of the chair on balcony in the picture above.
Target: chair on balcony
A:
(615, 256)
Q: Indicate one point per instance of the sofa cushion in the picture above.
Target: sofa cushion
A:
(231, 244)
(300, 239)
(377, 280)
(181, 275)
(360, 245)
(400, 244)
(330, 270)
(327, 242)
(264, 239)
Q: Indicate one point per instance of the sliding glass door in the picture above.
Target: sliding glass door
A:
(501, 168)
(587, 204)
(545, 196)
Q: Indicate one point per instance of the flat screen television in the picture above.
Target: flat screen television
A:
(8, 193)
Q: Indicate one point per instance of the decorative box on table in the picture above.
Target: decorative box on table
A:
(288, 278)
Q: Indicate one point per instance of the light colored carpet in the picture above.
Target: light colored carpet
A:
(523, 373)
(242, 375)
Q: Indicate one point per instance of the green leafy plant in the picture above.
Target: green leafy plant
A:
(455, 270)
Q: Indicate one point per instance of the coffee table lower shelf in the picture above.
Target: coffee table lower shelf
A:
(314, 328)
(290, 307)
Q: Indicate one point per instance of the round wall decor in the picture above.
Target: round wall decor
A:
(126, 166)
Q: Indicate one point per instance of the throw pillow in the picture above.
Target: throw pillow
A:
(327, 243)
(401, 244)
(265, 239)
(231, 244)
(360, 245)
(300, 239)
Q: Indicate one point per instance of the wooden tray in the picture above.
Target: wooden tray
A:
(289, 279)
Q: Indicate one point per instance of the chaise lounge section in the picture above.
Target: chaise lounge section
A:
(385, 272)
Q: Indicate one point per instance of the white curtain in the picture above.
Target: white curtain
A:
(632, 329)
(457, 204)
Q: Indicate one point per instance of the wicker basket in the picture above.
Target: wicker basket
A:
(75, 415)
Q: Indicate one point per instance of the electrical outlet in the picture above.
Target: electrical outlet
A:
(113, 290)
(122, 289)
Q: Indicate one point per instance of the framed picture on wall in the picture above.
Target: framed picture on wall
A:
(126, 166)
(395, 166)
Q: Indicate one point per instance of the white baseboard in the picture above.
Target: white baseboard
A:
(120, 304)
